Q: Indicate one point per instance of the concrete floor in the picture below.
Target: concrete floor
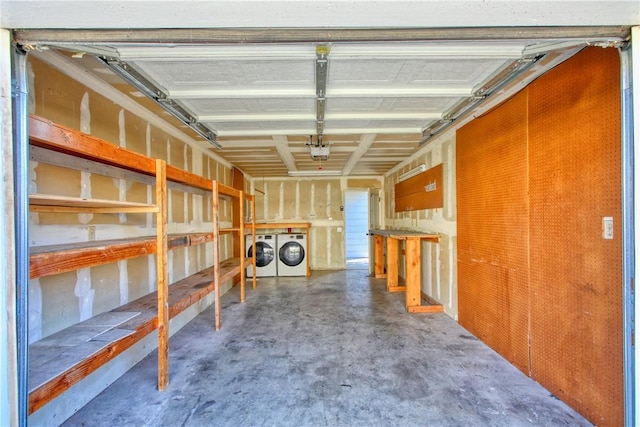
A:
(332, 350)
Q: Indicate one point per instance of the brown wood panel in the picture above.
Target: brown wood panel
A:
(576, 275)
(162, 275)
(492, 229)
(413, 296)
(46, 134)
(49, 260)
(181, 176)
(64, 380)
(182, 295)
(216, 253)
(423, 191)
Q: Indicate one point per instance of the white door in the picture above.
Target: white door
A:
(357, 224)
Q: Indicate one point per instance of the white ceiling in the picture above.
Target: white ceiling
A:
(130, 14)
(258, 92)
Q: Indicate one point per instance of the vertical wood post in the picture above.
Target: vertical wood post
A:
(392, 262)
(216, 253)
(253, 239)
(378, 256)
(243, 253)
(162, 274)
(412, 255)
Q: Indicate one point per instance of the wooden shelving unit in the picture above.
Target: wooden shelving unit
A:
(239, 265)
(53, 368)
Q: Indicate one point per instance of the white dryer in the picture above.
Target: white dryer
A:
(266, 262)
(292, 256)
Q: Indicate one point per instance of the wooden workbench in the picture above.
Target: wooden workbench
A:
(412, 263)
(293, 226)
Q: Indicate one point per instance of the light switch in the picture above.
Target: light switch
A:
(607, 227)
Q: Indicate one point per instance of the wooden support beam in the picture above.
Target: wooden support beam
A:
(162, 275)
(392, 263)
(44, 133)
(57, 259)
(378, 256)
(241, 244)
(216, 253)
(413, 295)
(253, 233)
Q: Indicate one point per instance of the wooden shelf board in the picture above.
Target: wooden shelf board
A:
(274, 225)
(57, 259)
(425, 309)
(50, 203)
(225, 190)
(189, 239)
(46, 134)
(229, 230)
(72, 363)
(229, 268)
(63, 359)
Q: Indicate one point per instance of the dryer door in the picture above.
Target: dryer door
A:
(265, 254)
(291, 253)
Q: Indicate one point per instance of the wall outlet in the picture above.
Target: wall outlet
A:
(91, 231)
(339, 229)
(607, 227)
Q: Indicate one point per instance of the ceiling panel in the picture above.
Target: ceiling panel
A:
(457, 75)
(234, 107)
(265, 101)
(263, 127)
(203, 75)
(390, 104)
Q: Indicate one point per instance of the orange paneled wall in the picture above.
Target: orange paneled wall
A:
(576, 275)
(492, 214)
(537, 281)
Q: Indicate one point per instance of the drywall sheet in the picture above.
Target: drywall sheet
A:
(492, 229)
(423, 191)
(576, 275)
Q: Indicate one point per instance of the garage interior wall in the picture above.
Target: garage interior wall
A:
(59, 301)
(316, 200)
(536, 279)
(439, 270)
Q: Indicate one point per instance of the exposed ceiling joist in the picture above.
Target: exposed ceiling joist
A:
(282, 146)
(365, 142)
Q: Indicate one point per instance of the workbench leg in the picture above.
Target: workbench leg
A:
(412, 256)
(392, 263)
(378, 256)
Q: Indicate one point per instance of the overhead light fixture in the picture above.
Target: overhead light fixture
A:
(413, 172)
(321, 172)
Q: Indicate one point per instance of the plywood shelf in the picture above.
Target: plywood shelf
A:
(57, 259)
(64, 358)
(51, 203)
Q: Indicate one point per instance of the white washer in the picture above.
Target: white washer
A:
(265, 247)
(292, 257)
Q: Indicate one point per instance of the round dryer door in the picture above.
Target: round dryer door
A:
(291, 254)
(265, 254)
